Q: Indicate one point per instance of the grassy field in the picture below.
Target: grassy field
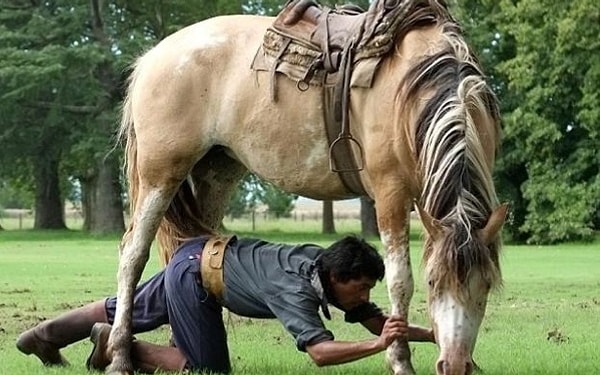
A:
(543, 321)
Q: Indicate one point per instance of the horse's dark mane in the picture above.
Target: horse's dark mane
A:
(442, 74)
(423, 13)
(457, 183)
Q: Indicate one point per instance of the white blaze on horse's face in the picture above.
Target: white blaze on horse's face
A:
(458, 290)
(456, 324)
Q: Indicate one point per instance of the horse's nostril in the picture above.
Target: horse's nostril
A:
(440, 367)
(469, 368)
(443, 368)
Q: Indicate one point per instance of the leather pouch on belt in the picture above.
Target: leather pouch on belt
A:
(211, 267)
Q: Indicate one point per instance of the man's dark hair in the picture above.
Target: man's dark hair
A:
(351, 258)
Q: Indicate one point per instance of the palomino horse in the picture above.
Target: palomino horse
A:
(197, 117)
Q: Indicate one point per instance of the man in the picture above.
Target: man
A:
(261, 280)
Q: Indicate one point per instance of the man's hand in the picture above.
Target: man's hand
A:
(390, 328)
(393, 328)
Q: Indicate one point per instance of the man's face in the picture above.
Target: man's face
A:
(352, 293)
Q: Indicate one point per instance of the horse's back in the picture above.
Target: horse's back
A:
(211, 38)
(195, 59)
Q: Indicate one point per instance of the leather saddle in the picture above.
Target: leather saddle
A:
(329, 30)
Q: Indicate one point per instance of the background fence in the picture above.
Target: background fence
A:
(306, 216)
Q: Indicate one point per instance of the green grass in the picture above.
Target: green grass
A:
(543, 321)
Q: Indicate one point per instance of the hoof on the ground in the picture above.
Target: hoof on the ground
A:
(401, 368)
(118, 370)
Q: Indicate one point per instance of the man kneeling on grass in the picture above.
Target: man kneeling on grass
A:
(258, 279)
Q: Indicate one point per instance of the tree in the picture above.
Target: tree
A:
(48, 85)
(245, 197)
(555, 128)
(62, 84)
(542, 59)
(368, 217)
(328, 218)
(238, 204)
(251, 191)
(14, 194)
(278, 201)
(102, 189)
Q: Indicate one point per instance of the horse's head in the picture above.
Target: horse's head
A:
(461, 264)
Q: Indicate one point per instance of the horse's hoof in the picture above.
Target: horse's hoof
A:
(401, 368)
(118, 370)
(406, 371)
(398, 359)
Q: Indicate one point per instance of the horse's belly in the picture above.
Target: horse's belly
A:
(293, 164)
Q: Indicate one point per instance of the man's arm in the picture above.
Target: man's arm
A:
(335, 352)
(415, 333)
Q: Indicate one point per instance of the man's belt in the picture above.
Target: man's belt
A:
(211, 265)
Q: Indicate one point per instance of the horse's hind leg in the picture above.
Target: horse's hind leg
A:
(159, 174)
(214, 178)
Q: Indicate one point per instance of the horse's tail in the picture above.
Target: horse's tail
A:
(182, 219)
(126, 136)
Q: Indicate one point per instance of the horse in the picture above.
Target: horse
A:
(197, 118)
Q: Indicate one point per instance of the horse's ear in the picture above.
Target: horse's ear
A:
(494, 224)
(432, 225)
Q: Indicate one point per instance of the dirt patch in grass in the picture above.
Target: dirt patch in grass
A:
(557, 337)
(16, 291)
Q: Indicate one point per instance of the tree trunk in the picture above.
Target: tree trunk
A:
(101, 202)
(86, 201)
(49, 205)
(328, 222)
(368, 217)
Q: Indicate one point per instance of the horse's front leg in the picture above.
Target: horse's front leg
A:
(393, 220)
(134, 253)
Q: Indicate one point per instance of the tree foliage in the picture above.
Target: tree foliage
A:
(253, 192)
(544, 61)
(554, 77)
(64, 64)
(278, 202)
